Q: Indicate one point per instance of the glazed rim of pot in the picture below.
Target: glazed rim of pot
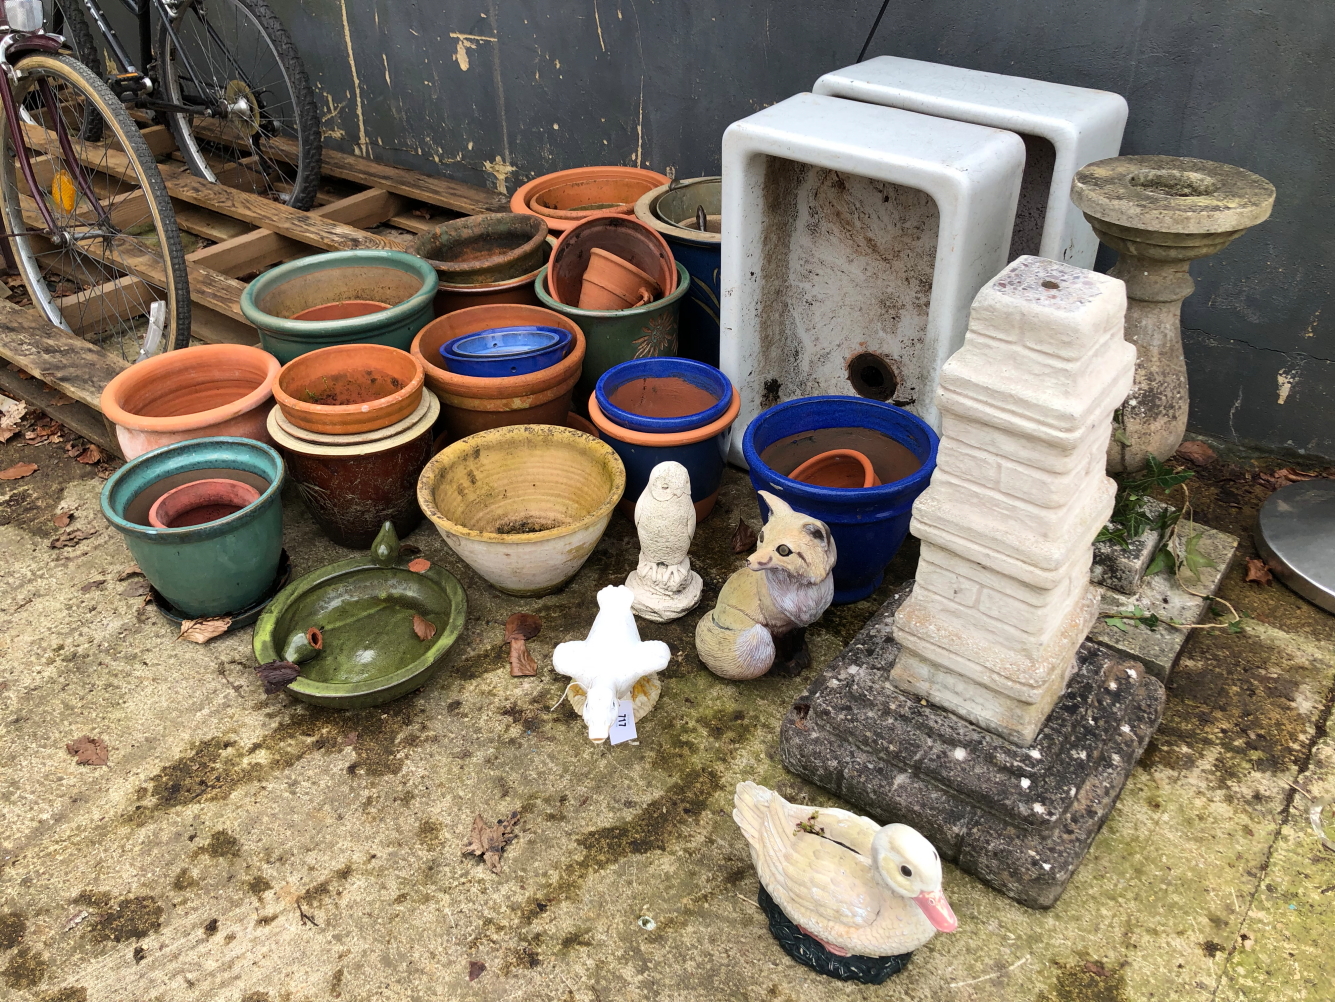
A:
(150, 371)
(426, 483)
(645, 212)
(519, 201)
(630, 437)
(393, 357)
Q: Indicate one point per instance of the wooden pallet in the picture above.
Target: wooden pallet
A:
(252, 233)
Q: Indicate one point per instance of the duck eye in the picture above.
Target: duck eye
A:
(784, 550)
(906, 871)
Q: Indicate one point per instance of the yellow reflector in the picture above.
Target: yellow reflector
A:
(63, 191)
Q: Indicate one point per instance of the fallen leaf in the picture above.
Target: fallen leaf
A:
(136, 589)
(1280, 478)
(9, 422)
(489, 841)
(419, 565)
(422, 213)
(204, 629)
(61, 399)
(277, 675)
(521, 627)
(88, 750)
(1196, 453)
(1258, 572)
(7, 433)
(743, 538)
(18, 471)
(475, 969)
(129, 572)
(62, 519)
(424, 628)
(1096, 969)
(71, 537)
(90, 585)
(90, 456)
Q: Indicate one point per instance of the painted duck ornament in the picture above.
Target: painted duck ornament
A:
(844, 896)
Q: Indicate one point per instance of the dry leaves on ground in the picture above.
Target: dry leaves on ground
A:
(1258, 572)
(519, 628)
(129, 572)
(424, 628)
(9, 422)
(136, 589)
(204, 629)
(419, 565)
(475, 969)
(88, 750)
(743, 537)
(71, 537)
(62, 518)
(90, 456)
(45, 429)
(18, 471)
(1288, 475)
(489, 841)
(1196, 453)
(88, 586)
(277, 675)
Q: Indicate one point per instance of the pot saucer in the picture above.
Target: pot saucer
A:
(241, 619)
(361, 438)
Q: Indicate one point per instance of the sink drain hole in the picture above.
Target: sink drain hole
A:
(872, 376)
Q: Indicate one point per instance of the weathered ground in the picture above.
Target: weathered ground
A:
(247, 848)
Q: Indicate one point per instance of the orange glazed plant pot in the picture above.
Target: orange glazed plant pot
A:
(613, 283)
(625, 237)
(348, 389)
(201, 501)
(469, 404)
(199, 392)
(567, 196)
(845, 468)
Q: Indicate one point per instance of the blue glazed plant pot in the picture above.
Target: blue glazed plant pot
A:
(217, 568)
(868, 523)
(666, 209)
(713, 384)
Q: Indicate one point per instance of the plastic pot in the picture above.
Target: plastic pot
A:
(667, 211)
(869, 524)
(352, 490)
(703, 451)
(524, 505)
(222, 566)
(565, 197)
(486, 249)
(663, 394)
(348, 389)
(201, 501)
(623, 237)
(205, 391)
(620, 335)
(405, 281)
(470, 404)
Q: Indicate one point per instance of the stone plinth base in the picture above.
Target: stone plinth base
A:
(1019, 818)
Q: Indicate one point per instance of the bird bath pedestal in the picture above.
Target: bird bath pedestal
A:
(1160, 214)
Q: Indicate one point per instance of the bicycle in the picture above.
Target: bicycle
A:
(225, 78)
(87, 224)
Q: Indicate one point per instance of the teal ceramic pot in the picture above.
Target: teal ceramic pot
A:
(217, 568)
(406, 283)
(614, 336)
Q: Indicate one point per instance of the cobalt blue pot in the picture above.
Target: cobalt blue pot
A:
(665, 209)
(868, 523)
(506, 351)
(697, 374)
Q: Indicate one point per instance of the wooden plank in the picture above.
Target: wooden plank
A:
(67, 362)
(97, 308)
(213, 327)
(208, 224)
(75, 415)
(366, 208)
(159, 140)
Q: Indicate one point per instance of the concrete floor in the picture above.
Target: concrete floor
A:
(253, 849)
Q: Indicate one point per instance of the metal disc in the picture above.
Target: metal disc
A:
(1296, 536)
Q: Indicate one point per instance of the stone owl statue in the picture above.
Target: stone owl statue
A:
(664, 585)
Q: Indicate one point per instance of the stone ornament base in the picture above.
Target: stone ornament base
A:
(808, 950)
(1019, 818)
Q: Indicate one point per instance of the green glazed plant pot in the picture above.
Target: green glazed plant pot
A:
(404, 281)
(218, 568)
(615, 336)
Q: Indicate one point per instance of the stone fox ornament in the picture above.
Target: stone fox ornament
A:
(764, 608)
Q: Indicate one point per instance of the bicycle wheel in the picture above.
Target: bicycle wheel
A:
(115, 249)
(67, 20)
(236, 56)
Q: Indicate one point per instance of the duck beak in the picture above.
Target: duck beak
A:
(937, 909)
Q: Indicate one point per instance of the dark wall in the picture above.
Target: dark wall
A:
(499, 91)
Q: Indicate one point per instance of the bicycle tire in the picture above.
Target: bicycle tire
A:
(302, 123)
(68, 21)
(114, 261)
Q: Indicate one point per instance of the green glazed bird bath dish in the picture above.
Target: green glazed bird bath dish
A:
(365, 609)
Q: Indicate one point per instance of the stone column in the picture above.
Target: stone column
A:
(1160, 214)
(1003, 597)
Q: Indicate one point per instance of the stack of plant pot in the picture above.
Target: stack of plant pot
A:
(656, 410)
(345, 297)
(354, 423)
(617, 278)
(481, 260)
(568, 196)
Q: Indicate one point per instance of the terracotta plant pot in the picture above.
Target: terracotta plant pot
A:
(627, 238)
(517, 292)
(349, 389)
(568, 196)
(525, 505)
(199, 392)
(275, 301)
(611, 283)
(341, 310)
(844, 468)
(484, 250)
(352, 490)
(470, 404)
(200, 501)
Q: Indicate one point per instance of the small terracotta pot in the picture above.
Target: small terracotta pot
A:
(341, 310)
(470, 404)
(485, 250)
(349, 389)
(568, 196)
(844, 468)
(625, 237)
(199, 392)
(200, 501)
(612, 283)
